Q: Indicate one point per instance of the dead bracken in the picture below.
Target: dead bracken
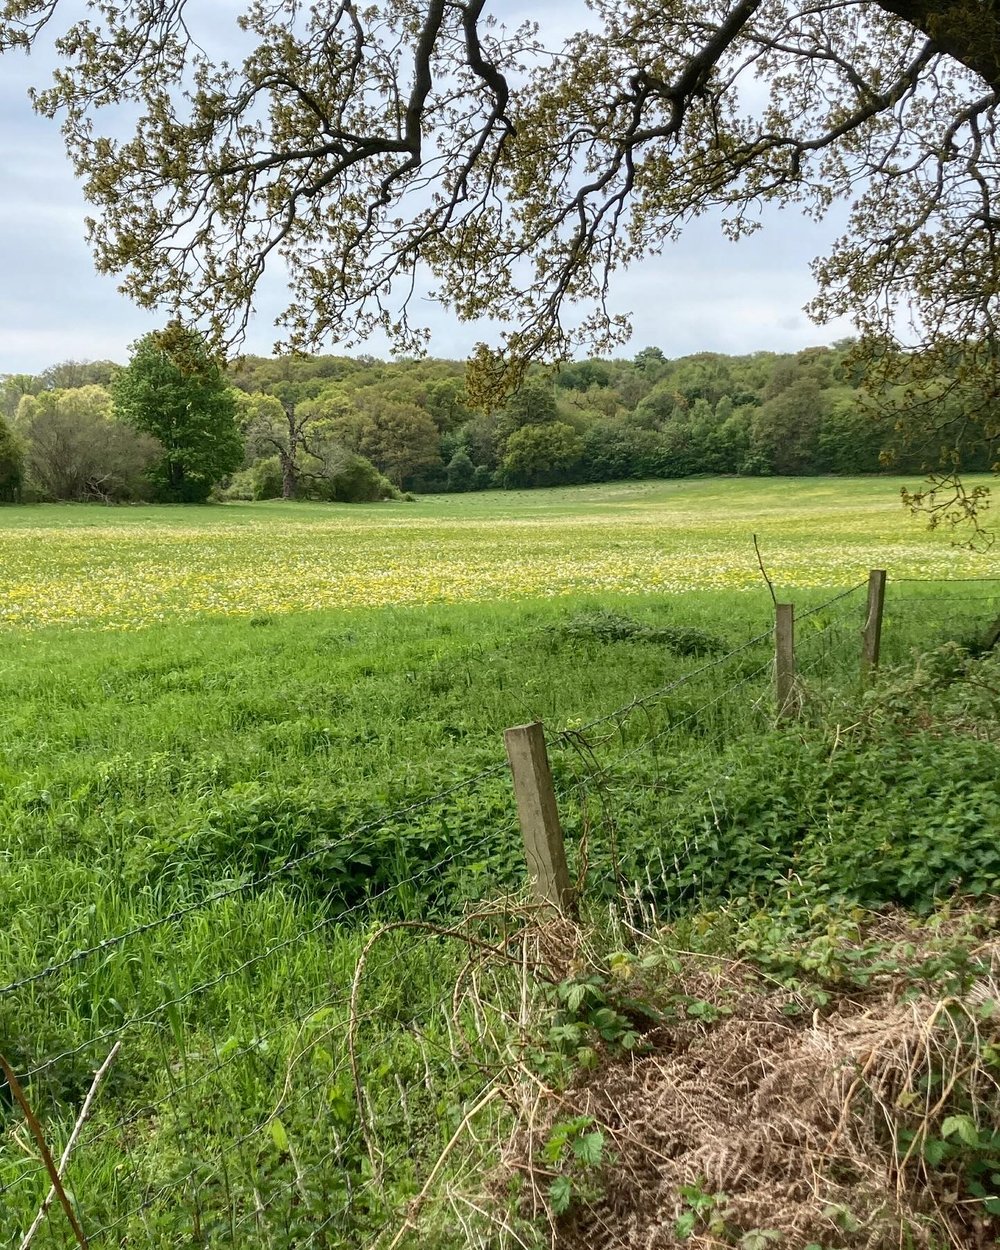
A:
(871, 1122)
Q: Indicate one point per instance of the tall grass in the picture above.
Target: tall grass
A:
(199, 831)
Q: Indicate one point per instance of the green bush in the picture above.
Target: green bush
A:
(239, 488)
(266, 478)
(358, 481)
(461, 471)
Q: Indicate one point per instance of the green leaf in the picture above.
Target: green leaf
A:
(935, 1151)
(278, 1135)
(963, 1126)
(589, 1148)
(575, 996)
(759, 1238)
(684, 1225)
(561, 1194)
(553, 1148)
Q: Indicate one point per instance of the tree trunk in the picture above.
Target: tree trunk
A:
(289, 477)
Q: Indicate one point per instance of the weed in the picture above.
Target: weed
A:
(607, 627)
(576, 1149)
(702, 1211)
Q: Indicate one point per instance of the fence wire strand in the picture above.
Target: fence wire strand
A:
(254, 883)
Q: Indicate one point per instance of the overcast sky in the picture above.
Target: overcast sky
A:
(703, 294)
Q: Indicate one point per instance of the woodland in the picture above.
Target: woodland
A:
(354, 428)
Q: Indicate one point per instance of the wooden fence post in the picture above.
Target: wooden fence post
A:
(538, 815)
(784, 658)
(871, 635)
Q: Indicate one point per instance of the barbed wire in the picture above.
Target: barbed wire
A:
(654, 695)
(427, 1012)
(941, 581)
(821, 607)
(693, 715)
(260, 1126)
(684, 679)
(254, 883)
(227, 974)
(286, 867)
(930, 601)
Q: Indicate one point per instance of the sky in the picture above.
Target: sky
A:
(702, 294)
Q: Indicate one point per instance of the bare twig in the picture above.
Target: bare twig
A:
(81, 1120)
(39, 1136)
(760, 561)
(421, 1198)
(352, 1040)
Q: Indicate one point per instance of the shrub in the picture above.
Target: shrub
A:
(266, 478)
(461, 471)
(76, 450)
(358, 481)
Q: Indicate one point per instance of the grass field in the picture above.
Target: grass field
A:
(209, 718)
(125, 568)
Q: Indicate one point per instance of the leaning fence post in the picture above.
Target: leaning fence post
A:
(784, 658)
(538, 815)
(871, 635)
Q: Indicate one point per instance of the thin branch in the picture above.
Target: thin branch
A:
(760, 561)
(39, 1136)
(81, 1120)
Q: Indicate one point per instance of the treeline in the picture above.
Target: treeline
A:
(592, 421)
(341, 428)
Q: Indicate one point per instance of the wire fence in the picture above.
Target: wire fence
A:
(232, 1108)
(235, 1111)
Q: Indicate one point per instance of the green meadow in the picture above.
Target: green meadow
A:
(126, 568)
(243, 735)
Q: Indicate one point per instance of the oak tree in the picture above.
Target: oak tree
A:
(359, 143)
(280, 423)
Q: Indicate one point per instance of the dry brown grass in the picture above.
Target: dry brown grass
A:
(793, 1121)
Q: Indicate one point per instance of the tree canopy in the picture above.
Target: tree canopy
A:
(360, 143)
(76, 450)
(336, 428)
(174, 390)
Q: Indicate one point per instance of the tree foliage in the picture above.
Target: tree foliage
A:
(76, 450)
(278, 424)
(174, 389)
(309, 419)
(541, 455)
(359, 143)
(11, 465)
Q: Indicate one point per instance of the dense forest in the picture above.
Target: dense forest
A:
(354, 429)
